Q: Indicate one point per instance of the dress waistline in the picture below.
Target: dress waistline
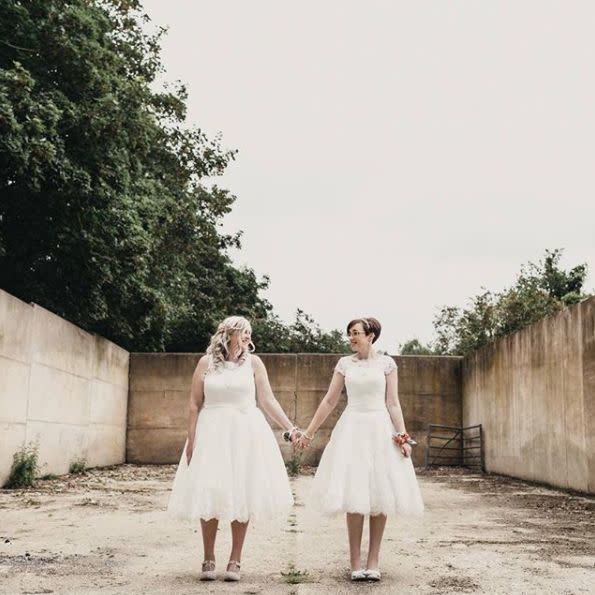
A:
(243, 408)
(365, 408)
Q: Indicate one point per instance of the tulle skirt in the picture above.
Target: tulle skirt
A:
(236, 471)
(362, 471)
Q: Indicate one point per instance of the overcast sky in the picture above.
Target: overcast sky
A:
(394, 157)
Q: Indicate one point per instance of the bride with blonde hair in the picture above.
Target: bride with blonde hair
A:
(231, 467)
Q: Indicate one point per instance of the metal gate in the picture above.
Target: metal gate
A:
(456, 447)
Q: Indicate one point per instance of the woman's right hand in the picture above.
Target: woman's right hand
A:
(303, 442)
(406, 450)
(189, 451)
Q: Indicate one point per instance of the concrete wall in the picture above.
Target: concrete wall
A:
(75, 395)
(534, 394)
(429, 389)
(60, 387)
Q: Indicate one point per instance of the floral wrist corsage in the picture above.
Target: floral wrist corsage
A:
(289, 433)
(400, 438)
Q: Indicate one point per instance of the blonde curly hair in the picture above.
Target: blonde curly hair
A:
(218, 349)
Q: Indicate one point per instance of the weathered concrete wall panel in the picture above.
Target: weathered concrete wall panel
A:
(59, 345)
(60, 388)
(156, 445)
(13, 437)
(58, 396)
(15, 329)
(108, 402)
(531, 393)
(14, 380)
(105, 443)
(59, 444)
(281, 370)
(587, 312)
(429, 389)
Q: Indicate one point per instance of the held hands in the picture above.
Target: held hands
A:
(304, 441)
(292, 435)
(297, 437)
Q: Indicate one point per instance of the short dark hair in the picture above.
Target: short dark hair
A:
(370, 325)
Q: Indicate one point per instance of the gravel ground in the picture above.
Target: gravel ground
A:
(107, 532)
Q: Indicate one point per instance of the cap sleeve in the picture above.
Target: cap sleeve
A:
(389, 364)
(340, 367)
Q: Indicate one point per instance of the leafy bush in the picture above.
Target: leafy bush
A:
(294, 465)
(24, 468)
(78, 467)
(540, 290)
(415, 347)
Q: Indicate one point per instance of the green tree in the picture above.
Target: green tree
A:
(104, 216)
(415, 347)
(540, 290)
(304, 335)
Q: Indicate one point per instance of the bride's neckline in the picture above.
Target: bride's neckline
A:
(372, 355)
(236, 364)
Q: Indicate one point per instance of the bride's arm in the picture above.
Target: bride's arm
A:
(196, 402)
(328, 403)
(392, 401)
(394, 407)
(265, 395)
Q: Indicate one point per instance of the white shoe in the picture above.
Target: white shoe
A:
(232, 573)
(373, 575)
(358, 575)
(208, 571)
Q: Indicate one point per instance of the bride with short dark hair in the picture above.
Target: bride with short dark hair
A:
(366, 468)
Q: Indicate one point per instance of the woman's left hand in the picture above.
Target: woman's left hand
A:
(406, 450)
(303, 442)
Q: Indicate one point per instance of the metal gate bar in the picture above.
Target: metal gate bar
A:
(468, 453)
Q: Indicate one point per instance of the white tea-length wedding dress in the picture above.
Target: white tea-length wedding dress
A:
(236, 471)
(361, 469)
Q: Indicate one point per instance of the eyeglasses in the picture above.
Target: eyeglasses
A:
(355, 333)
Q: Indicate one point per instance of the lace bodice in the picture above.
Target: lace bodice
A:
(232, 385)
(365, 380)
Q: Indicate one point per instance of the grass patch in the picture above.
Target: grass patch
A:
(32, 502)
(24, 468)
(295, 577)
(48, 476)
(78, 467)
(294, 465)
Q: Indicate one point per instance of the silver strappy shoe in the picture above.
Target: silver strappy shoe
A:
(233, 571)
(358, 575)
(208, 571)
(373, 575)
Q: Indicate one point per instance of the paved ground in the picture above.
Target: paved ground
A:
(107, 532)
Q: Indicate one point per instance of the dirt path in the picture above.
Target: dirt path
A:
(107, 532)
